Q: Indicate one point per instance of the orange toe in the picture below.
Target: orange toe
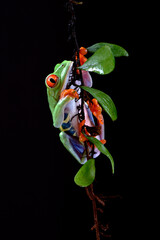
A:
(69, 92)
(83, 51)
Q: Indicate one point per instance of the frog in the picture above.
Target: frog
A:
(64, 99)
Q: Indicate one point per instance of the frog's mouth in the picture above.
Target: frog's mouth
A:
(67, 79)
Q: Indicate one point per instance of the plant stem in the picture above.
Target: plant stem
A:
(91, 195)
(89, 189)
(96, 219)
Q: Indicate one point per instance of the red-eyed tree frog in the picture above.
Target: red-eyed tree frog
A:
(64, 100)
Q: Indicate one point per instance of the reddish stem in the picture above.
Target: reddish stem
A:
(92, 197)
(89, 189)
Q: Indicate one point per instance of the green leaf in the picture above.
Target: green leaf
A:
(117, 50)
(105, 101)
(86, 174)
(101, 62)
(102, 149)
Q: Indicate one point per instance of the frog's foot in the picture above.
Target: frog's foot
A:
(87, 80)
(69, 92)
(83, 51)
(96, 110)
(73, 145)
(94, 131)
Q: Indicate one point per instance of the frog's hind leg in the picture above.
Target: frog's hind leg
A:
(87, 79)
(73, 145)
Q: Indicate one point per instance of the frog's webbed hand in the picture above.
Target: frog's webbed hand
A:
(65, 97)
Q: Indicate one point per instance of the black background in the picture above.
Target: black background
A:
(37, 172)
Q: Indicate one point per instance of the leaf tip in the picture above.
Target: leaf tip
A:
(115, 118)
(86, 174)
(126, 54)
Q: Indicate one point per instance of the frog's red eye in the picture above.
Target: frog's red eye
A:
(52, 80)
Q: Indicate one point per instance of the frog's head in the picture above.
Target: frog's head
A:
(57, 81)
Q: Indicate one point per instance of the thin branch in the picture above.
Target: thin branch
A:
(96, 219)
(99, 200)
(92, 197)
(88, 193)
(89, 190)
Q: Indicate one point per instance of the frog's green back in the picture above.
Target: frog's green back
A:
(53, 94)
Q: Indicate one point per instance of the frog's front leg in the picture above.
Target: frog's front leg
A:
(65, 97)
(73, 145)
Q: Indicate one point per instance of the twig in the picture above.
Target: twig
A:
(89, 190)
(96, 219)
(93, 198)
(99, 200)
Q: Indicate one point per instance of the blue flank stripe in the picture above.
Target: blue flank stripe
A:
(67, 126)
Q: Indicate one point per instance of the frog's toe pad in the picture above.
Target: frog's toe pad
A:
(69, 92)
